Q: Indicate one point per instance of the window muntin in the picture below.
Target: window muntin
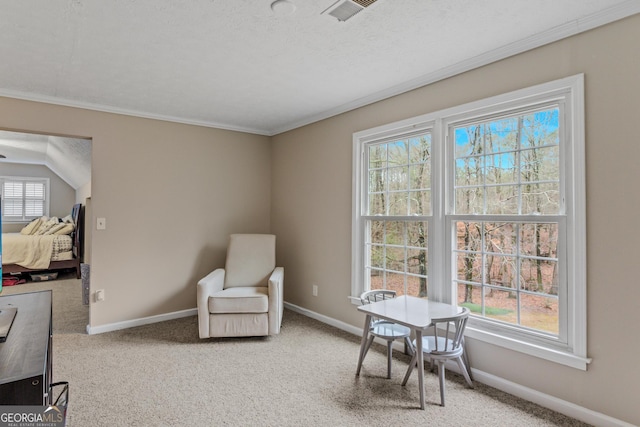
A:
(24, 199)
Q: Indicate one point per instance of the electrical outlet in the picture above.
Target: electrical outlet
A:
(101, 223)
(315, 290)
(100, 295)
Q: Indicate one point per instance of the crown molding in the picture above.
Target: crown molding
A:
(27, 96)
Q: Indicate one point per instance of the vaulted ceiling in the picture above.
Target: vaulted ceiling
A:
(264, 66)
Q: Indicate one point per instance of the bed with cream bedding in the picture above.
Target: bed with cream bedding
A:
(44, 244)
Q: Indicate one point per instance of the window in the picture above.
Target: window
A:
(482, 205)
(24, 199)
(398, 206)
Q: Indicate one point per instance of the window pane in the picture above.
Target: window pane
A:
(501, 271)
(502, 266)
(540, 276)
(377, 181)
(469, 171)
(398, 178)
(468, 141)
(469, 267)
(502, 200)
(420, 149)
(377, 204)
(541, 128)
(468, 235)
(376, 232)
(539, 240)
(417, 286)
(398, 203)
(540, 164)
(541, 198)
(501, 305)
(394, 232)
(376, 256)
(500, 238)
(501, 135)
(397, 153)
(501, 169)
(395, 282)
(420, 202)
(417, 261)
(377, 156)
(539, 312)
(376, 279)
(515, 159)
(470, 200)
(395, 257)
(420, 176)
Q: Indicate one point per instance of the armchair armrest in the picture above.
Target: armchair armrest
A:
(276, 296)
(207, 286)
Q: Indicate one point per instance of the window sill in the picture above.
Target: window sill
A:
(552, 355)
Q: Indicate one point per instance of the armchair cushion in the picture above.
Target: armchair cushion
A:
(251, 258)
(240, 300)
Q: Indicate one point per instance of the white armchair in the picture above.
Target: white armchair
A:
(245, 298)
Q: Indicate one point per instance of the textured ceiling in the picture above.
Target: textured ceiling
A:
(238, 65)
(69, 158)
(248, 66)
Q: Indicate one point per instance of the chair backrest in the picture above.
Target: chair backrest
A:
(376, 295)
(449, 332)
(251, 258)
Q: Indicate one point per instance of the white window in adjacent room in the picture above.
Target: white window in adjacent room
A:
(483, 205)
(24, 199)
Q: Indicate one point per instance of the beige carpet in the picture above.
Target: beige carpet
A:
(163, 375)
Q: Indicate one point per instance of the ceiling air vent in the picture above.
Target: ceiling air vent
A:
(345, 9)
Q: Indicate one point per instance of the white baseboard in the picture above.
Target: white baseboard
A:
(140, 322)
(542, 399)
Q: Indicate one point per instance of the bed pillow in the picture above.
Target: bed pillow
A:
(32, 227)
(68, 219)
(61, 228)
(45, 226)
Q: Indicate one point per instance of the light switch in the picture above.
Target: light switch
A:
(101, 223)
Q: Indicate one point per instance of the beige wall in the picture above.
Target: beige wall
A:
(311, 208)
(171, 194)
(61, 194)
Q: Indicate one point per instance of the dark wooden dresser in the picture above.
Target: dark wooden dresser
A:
(25, 357)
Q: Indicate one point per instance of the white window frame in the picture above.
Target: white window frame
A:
(571, 350)
(21, 179)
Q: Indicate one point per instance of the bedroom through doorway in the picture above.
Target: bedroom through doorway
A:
(42, 177)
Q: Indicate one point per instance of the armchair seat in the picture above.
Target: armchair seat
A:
(240, 300)
(245, 298)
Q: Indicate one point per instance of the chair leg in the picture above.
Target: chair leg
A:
(366, 349)
(465, 360)
(441, 379)
(463, 369)
(412, 364)
(389, 357)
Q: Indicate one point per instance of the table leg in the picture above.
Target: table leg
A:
(363, 343)
(420, 355)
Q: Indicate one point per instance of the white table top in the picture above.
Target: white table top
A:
(413, 312)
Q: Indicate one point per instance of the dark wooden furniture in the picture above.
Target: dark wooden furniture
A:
(25, 357)
(77, 236)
